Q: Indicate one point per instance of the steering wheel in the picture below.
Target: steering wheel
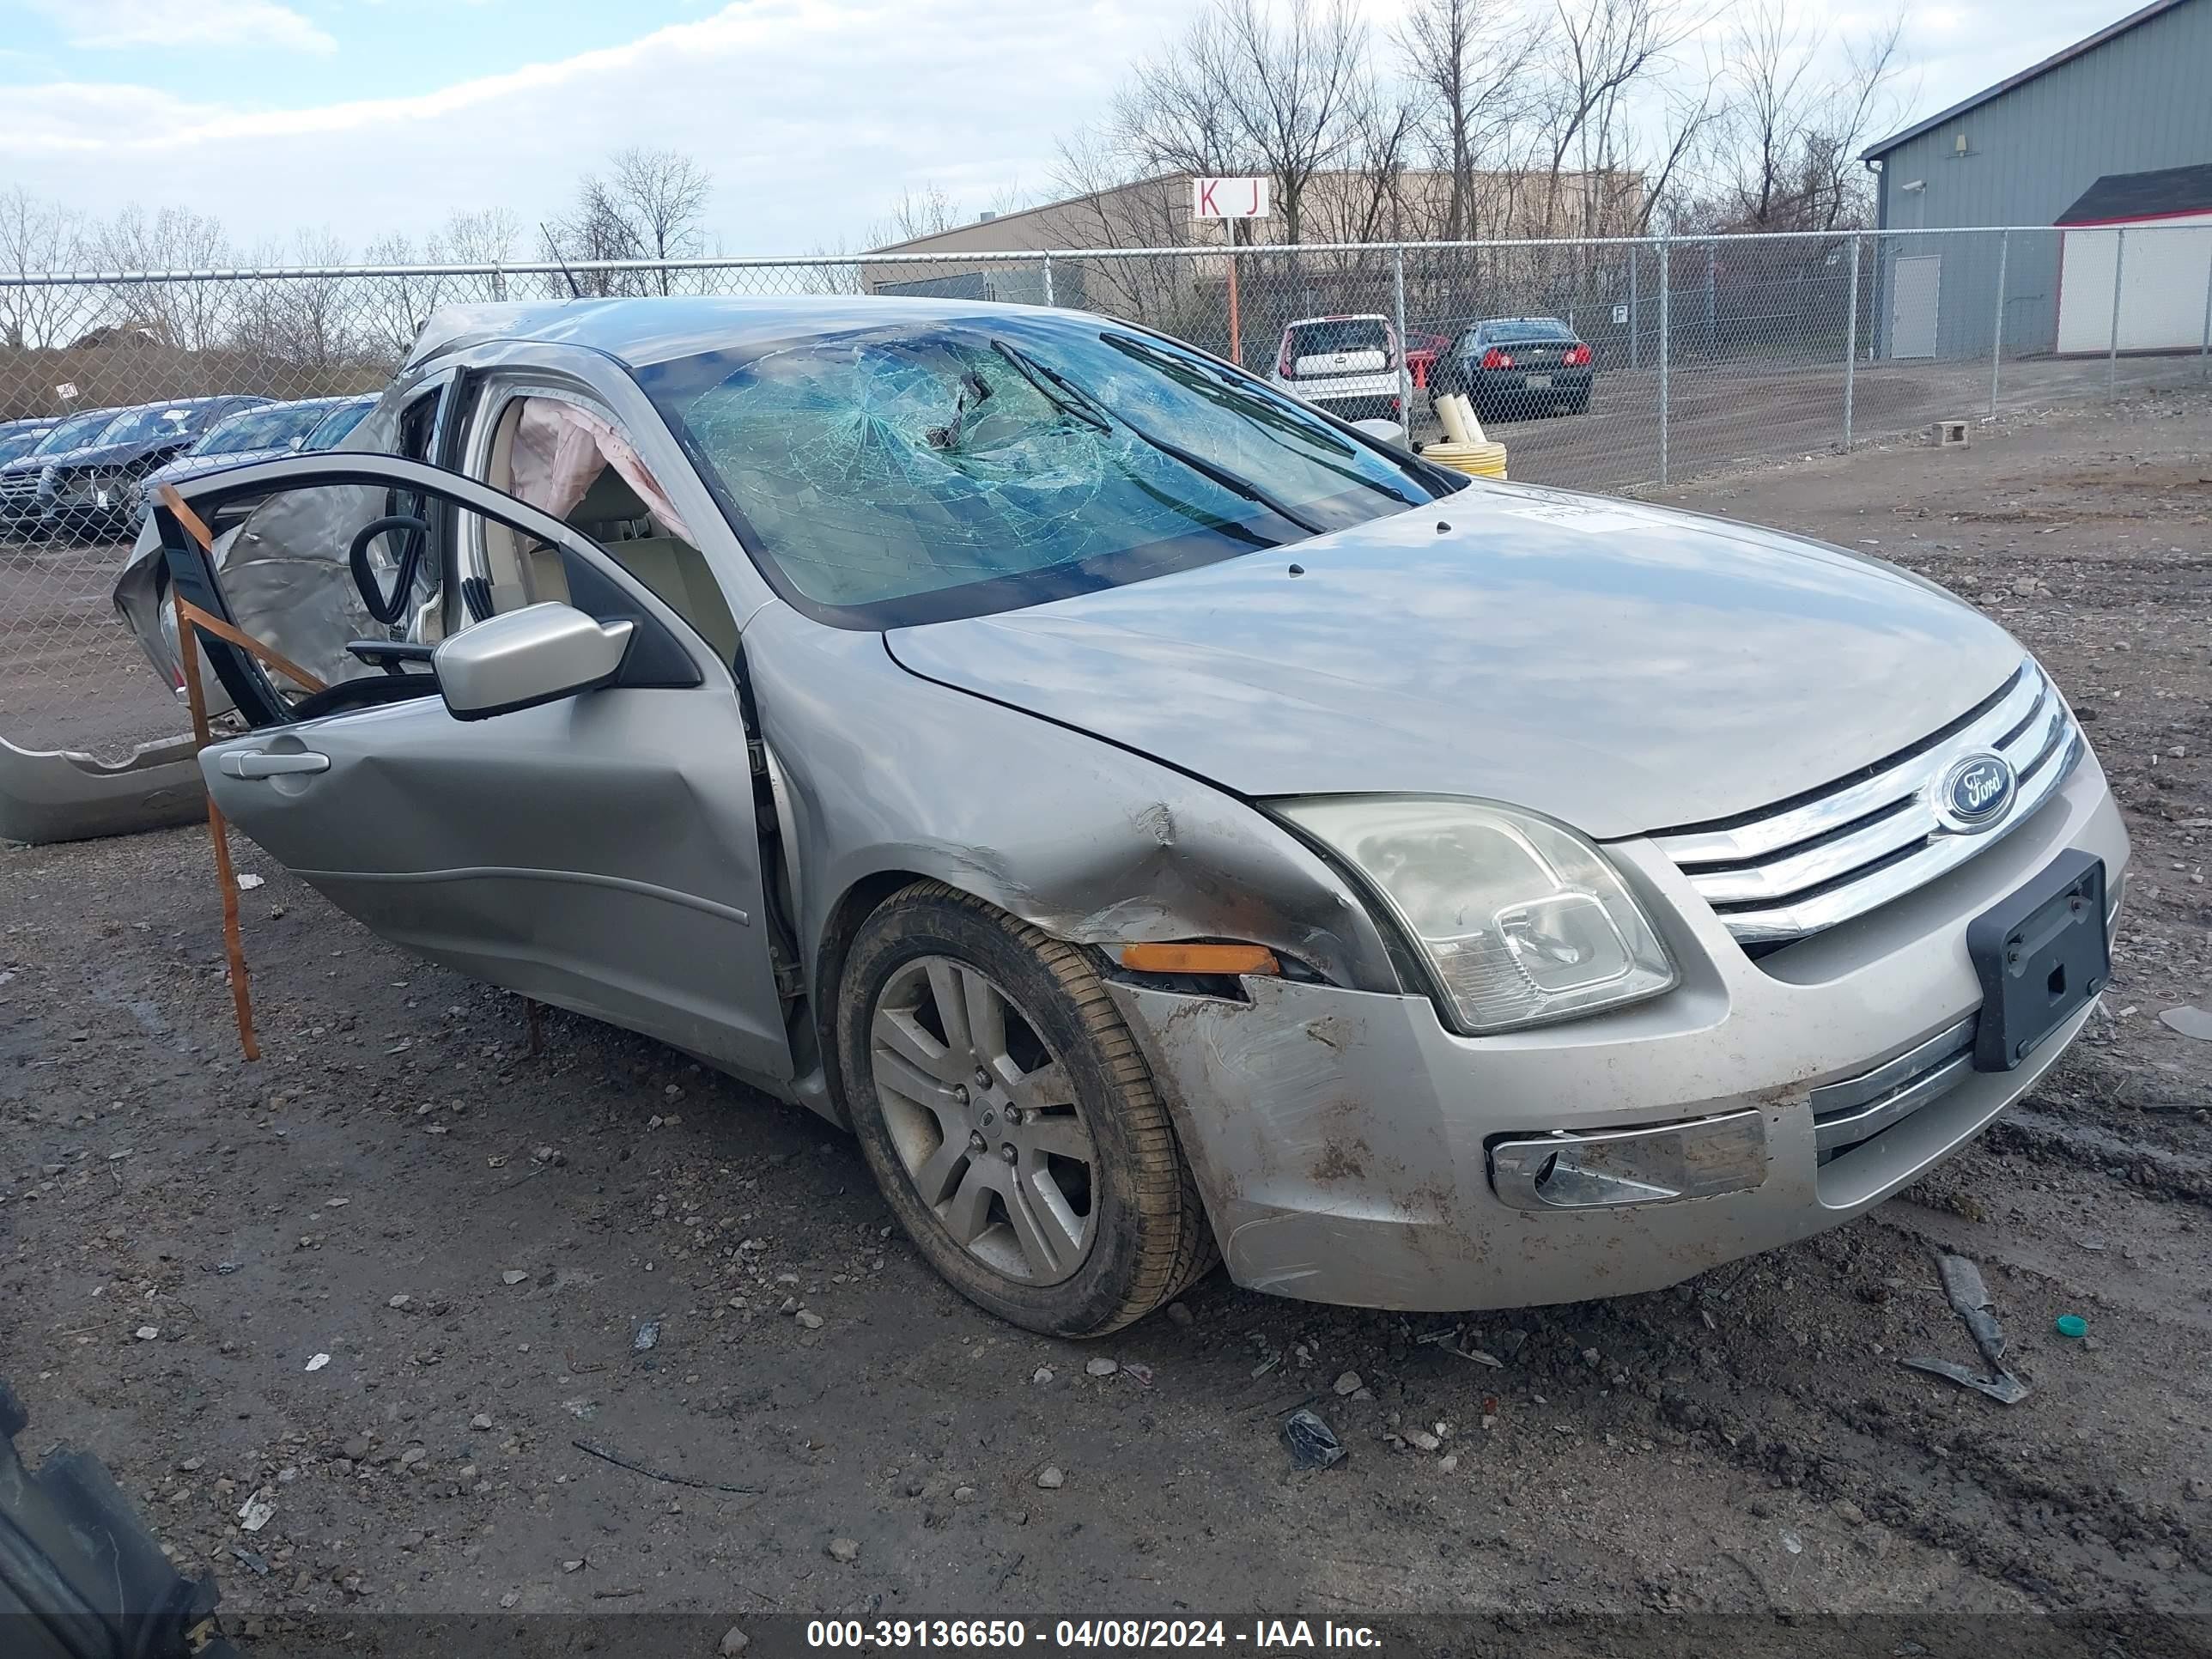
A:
(388, 607)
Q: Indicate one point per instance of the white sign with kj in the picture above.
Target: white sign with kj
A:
(1228, 198)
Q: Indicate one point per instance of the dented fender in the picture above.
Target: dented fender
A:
(1086, 841)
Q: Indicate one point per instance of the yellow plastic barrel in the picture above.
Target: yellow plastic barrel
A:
(1482, 460)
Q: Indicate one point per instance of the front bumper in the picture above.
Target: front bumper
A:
(1350, 397)
(1347, 1142)
(93, 518)
(1510, 383)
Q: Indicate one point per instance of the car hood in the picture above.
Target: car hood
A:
(1619, 667)
(39, 463)
(123, 454)
(191, 467)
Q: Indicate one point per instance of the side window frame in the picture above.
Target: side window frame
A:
(492, 396)
(660, 657)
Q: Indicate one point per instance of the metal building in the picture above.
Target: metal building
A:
(2136, 97)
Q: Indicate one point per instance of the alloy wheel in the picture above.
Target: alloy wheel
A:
(984, 1116)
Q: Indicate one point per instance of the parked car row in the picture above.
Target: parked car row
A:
(85, 476)
(1513, 368)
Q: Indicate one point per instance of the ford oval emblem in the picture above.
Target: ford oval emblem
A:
(1977, 791)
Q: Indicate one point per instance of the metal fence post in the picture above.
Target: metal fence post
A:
(1712, 305)
(1635, 345)
(1048, 300)
(1851, 343)
(2204, 340)
(1666, 310)
(2113, 350)
(1996, 334)
(1398, 315)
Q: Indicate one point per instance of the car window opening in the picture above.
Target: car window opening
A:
(574, 464)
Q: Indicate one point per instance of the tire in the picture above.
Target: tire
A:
(1121, 1228)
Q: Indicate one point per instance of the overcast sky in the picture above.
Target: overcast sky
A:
(369, 116)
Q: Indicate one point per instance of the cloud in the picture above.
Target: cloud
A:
(810, 114)
(108, 24)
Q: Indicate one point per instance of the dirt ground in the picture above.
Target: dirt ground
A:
(475, 1232)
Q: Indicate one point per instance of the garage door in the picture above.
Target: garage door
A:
(1914, 284)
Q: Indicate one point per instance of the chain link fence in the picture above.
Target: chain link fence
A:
(1698, 353)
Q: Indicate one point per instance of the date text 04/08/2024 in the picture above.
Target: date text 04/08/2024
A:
(1260, 1636)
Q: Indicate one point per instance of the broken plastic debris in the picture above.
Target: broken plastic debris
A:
(2190, 1022)
(319, 1361)
(1792, 1543)
(648, 1337)
(2073, 1325)
(1970, 1299)
(256, 1512)
(1312, 1443)
(148, 1333)
(247, 881)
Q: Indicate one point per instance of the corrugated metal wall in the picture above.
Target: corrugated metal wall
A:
(2140, 101)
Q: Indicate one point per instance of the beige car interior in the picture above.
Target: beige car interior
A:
(582, 473)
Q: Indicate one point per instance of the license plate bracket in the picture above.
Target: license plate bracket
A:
(1539, 382)
(2040, 953)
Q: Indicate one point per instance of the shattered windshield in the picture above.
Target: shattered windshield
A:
(907, 474)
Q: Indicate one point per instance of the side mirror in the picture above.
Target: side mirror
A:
(529, 656)
(1387, 432)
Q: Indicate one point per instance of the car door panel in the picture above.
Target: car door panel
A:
(599, 852)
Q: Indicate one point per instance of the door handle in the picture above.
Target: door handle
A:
(261, 764)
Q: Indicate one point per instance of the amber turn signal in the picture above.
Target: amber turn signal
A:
(1199, 959)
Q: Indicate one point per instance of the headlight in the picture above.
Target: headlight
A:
(1524, 922)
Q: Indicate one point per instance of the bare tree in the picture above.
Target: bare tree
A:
(392, 308)
(1606, 56)
(485, 237)
(1792, 131)
(187, 314)
(1467, 62)
(295, 330)
(661, 194)
(39, 237)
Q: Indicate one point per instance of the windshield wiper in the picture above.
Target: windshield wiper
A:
(1087, 408)
(1054, 388)
(1224, 395)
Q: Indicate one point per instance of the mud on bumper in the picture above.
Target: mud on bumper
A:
(1348, 1146)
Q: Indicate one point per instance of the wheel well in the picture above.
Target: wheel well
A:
(859, 902)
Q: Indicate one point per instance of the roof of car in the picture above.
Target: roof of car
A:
(656, 329)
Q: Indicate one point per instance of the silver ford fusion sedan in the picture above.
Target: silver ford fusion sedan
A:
(1163, 823)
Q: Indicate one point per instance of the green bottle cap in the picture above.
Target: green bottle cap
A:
(2073, 1325)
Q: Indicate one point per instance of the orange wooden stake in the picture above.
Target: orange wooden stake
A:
(190, 619)
(218, 832)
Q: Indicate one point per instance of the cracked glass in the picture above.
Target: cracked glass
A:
(911, 473)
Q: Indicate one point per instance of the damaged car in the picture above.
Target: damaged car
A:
(1162, 822)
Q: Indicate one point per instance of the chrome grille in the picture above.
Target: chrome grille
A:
(1821, 860)
(1859, 1108)
(19, 489)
